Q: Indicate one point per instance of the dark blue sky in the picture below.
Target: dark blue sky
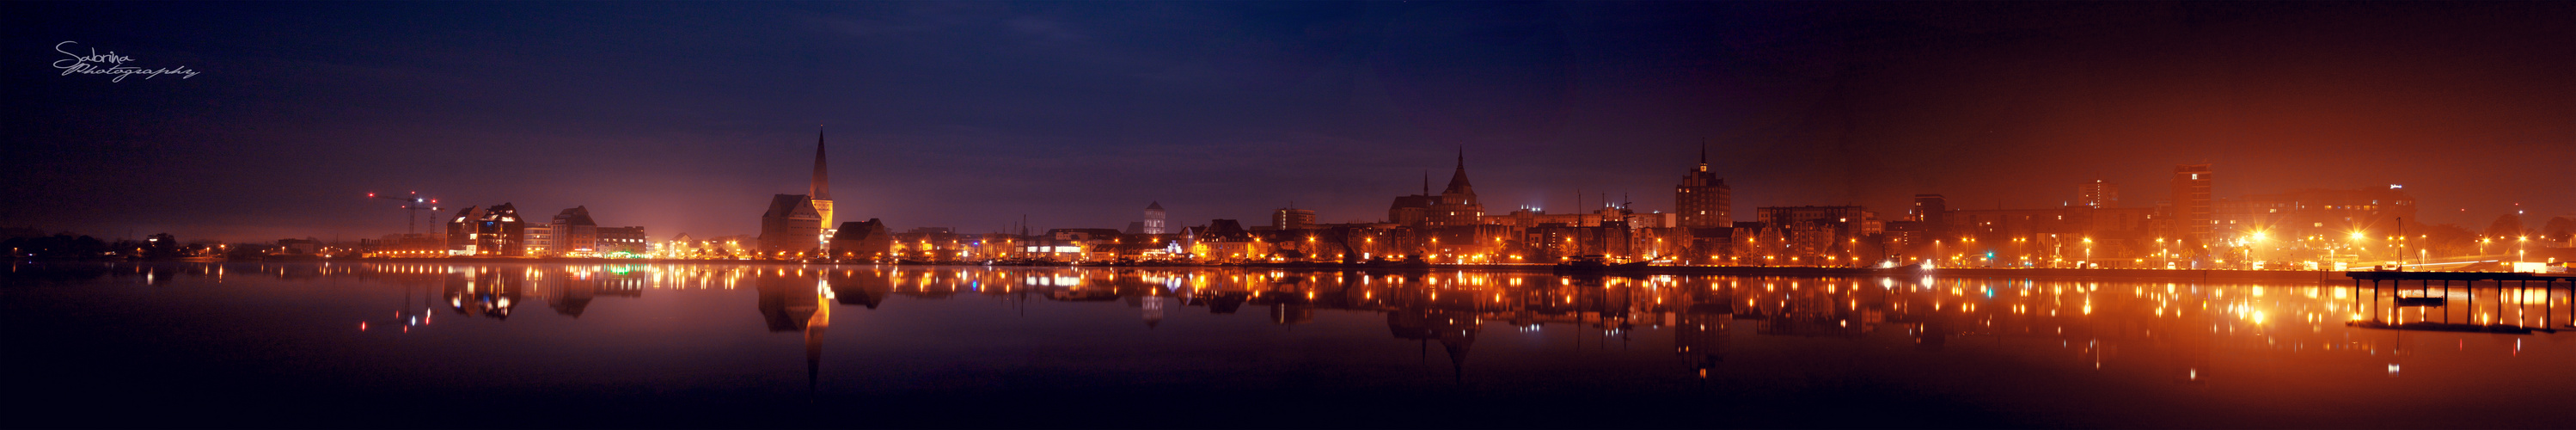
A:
(685, 117)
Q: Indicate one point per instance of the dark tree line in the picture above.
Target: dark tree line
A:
(58, 246)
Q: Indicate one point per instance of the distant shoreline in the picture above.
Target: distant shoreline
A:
(2052, 273)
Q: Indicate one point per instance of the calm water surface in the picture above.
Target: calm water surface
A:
(717, 345)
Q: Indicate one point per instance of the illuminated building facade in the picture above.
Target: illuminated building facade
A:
(1703, 200)
(1816, 235)
(622, 242)
(789, 225)
(2054, 237)
(496, 231)
(2192, 209)
(541, 239)
(2315, 224)
(930, 244)
(862, 241)
(574, 234)
(1550, 243)
(1075, 244)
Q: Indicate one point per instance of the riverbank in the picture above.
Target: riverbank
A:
(2049, 273)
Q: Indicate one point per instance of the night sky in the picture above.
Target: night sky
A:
(686, 117)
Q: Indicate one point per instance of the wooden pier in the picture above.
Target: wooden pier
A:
(2434, 290)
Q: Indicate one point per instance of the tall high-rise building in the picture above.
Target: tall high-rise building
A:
(821, 190)
(1154, 218)
(1932, 209)
(2097, 194)
(2192, 210)
(789, 225)
(1703, 200)
(1457, 205)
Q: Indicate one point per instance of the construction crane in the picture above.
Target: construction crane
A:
(411, 208)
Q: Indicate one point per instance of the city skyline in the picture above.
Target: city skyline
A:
(1335, 107)
(1024, 214)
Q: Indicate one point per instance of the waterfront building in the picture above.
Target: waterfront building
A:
(2071, 236)
(930, 244)
(680, 246)
(541, 239)
(735, 246)
(1552, 242)
(862, 241)
(1670, 244)
(1075, 244)
(622, 242)
(2315, 224)
(994, 246)
(1233, 251)
(789, 225)
(574, 234)
(1224, 229)
(1817, 235)
(1149, 247)
(1703, 200)
(494, 231)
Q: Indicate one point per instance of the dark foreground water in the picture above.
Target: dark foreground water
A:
(714, 345)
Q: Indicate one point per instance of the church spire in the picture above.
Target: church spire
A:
(821, 189)
(1458, 180)
(1703, 154)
